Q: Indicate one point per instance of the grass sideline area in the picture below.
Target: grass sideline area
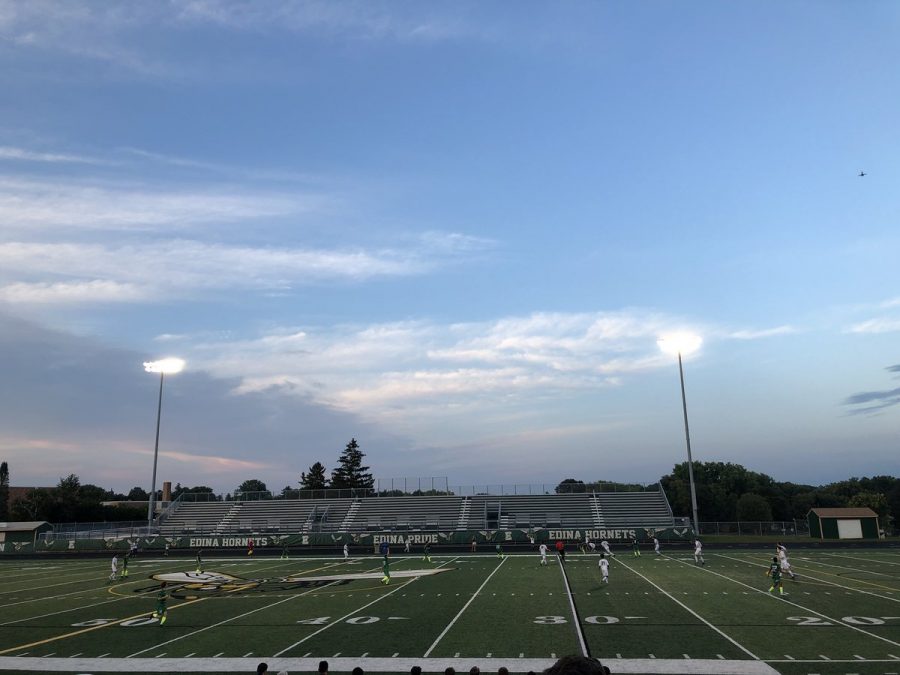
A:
(658, 614)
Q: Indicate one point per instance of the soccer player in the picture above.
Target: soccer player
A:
(125, 565)
(774, 571)
(284, 551)
(427, 556)
(115, 567)
(474, 544)
(592, 546)
(783, 560)
(166, 552)
(561, 550)
(346, 552)
(605, 546)
(386, 570)
(161, 597)
(199, 561)
(406, 545)
(543, 549)
(499, 550)
(250, 547)
(656, 546)
(636, 548)
(698, 553)
(604, 569)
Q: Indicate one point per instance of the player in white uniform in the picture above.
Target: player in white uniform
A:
(698, 553)
(543, 549)
(346, 552)
(605, 545)
(406, 546)
(783, 560)
(604, 569)
(656, 546)
(115, 568)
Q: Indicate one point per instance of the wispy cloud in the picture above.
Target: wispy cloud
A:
(74, 272)
(67, 204)
(760, 334)
(70, 292)
(878, 325)
(868, 402)
(422, 369)
(367, 20)
(9, 152)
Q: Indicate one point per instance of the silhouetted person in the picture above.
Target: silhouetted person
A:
(577, 665)
(323, 667)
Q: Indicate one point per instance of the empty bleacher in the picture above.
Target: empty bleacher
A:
(406, 513)
(196, 518)
(633, 509)
(421, 513)
(523, 511)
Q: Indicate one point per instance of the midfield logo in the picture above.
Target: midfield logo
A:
(188, 584)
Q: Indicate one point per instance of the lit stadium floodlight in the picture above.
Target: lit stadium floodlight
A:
(683, 343)
(168, 366)
(678, 344)
(164, 366)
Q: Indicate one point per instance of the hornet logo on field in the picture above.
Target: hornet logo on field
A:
(188, 584)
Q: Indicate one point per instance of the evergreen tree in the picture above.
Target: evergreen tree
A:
(4, 492)
(350, 472)
(315, 479)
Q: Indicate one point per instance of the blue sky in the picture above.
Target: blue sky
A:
(453, 231)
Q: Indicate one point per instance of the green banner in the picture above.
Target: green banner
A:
(368, 539)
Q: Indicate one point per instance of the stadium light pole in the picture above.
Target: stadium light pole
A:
(678, 344)
(163, 366)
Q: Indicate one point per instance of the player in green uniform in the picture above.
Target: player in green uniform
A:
(125, 565)
(774, 571)
(636, 547)
(386, 570)
(161, 597)
(427, 557)
(499, 550)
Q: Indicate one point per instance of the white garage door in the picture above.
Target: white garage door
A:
(849, 529)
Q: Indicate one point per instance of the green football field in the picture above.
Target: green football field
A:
(658, 614)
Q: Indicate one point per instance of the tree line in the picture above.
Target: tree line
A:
(70, 501)
(730, 492)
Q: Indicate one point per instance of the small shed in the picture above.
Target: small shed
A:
(22, 532)
(848, 523)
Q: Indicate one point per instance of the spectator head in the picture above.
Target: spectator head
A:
(262, 668)
(577, 665)
(450, 671)
(358, 671)
(415, 670)
(323, 667)
(502, 670)
(474, 670)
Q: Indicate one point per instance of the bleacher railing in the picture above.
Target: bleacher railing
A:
(785, 528)
(422, 487)
(97, 530)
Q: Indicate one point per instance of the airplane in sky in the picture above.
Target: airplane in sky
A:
(862, 173)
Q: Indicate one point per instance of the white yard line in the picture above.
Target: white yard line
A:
(239, 616)
(677, 601)
(253, 611)
(845, 567)
(355, 611)
(379, 665)
(464, 608)
(790, 602)
(806, 575)
(853, 557)
(578, 628)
